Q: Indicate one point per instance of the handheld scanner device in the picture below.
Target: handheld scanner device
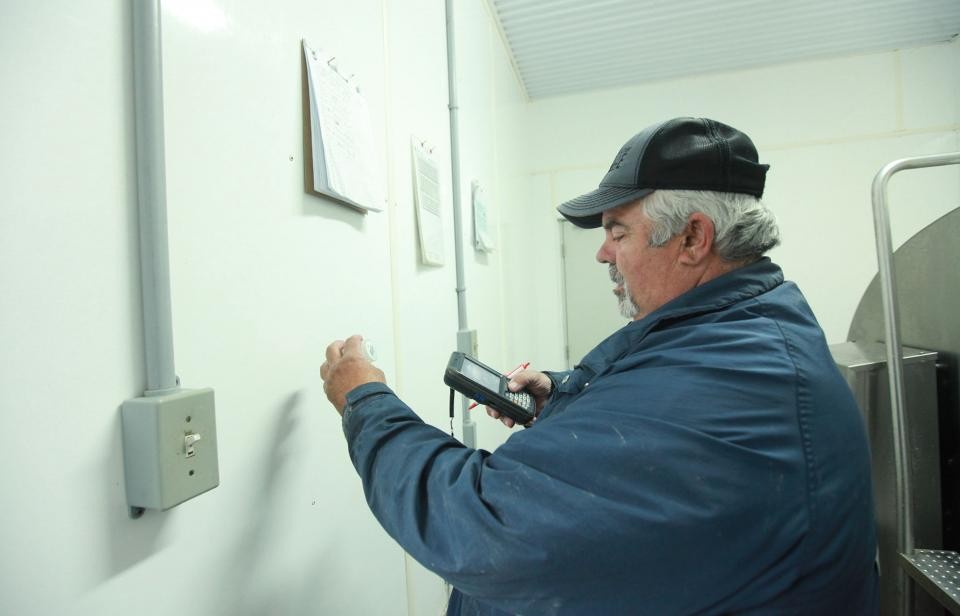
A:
(488, 386)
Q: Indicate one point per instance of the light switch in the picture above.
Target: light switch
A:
(189, 440)
(169, 448)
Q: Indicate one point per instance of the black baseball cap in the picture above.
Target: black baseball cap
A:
(682, 154)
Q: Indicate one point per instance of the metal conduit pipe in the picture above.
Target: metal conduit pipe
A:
(463, 334)
(881, 224)
(152, 199)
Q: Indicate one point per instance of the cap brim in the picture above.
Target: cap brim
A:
(587, 210)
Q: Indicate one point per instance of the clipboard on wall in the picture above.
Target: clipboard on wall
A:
(339, 158)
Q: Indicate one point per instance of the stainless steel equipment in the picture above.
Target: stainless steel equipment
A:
(864, 365)
(923, 279)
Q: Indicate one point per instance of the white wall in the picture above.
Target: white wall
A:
(264, 276)
(826, 127)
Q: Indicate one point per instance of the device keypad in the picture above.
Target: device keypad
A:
(520, 398)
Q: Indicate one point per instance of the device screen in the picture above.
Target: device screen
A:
(481, 375)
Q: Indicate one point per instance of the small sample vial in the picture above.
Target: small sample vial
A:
(369, 351)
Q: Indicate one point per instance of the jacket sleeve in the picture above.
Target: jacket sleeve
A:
(441, 501)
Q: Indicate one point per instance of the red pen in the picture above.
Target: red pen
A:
(522, 366)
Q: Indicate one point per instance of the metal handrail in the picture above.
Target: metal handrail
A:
(881, 225)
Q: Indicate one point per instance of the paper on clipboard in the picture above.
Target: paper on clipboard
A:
(426, 188)
(345, 166)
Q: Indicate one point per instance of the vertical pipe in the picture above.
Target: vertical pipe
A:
(469, 427)
(901, 452)
(152, 200)
(454, 107)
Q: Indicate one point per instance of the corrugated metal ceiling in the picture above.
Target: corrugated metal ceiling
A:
(567, 46)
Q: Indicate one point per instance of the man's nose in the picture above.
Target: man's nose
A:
(603, 255)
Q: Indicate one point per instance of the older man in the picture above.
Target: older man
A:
(707, 458)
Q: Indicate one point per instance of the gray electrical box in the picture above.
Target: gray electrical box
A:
(467, 342)
(169, 448)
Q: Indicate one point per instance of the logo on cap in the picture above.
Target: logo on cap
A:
(619, 159)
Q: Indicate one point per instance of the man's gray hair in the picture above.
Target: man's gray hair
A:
(744, 229)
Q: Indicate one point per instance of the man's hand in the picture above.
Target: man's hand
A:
(537, 384)
(346, 368)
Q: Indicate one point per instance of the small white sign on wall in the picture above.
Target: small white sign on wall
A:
(482, 239)
(426, 189)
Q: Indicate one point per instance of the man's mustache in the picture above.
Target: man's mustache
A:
(615, 275)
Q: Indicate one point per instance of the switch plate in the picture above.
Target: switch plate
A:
(159, 434)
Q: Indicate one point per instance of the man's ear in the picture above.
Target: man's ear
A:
(696, 239)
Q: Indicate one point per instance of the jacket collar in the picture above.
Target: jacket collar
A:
(736, 286)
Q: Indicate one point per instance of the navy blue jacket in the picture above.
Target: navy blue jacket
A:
(706, 459)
